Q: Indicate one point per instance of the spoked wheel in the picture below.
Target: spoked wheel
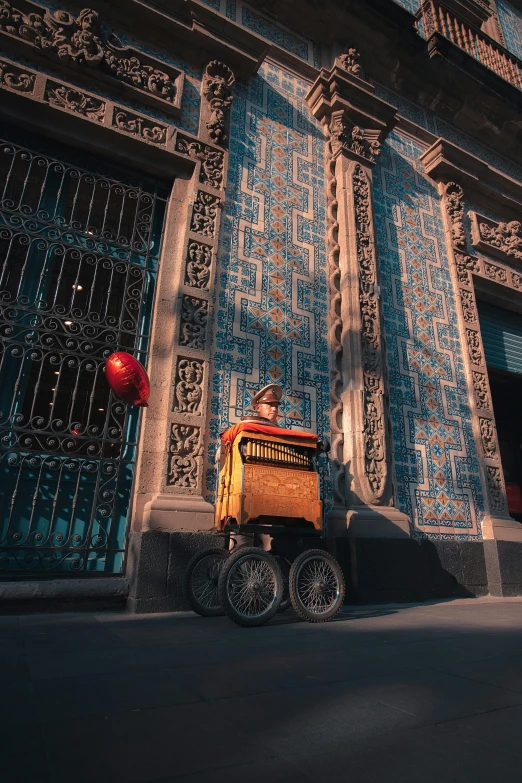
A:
(316, 586)
(250, 586)
(200, 582)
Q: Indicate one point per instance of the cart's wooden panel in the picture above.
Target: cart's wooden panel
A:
(278, 482)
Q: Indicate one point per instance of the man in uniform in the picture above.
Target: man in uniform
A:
(266, 403)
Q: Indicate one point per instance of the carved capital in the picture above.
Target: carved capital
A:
(351, 139)
(358, 120)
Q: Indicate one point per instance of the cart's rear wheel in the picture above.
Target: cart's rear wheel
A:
(250, 586)
(200, 582)
(316, 586)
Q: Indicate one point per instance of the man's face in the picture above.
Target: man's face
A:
(268, 410)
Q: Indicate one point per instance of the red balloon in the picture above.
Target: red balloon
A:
(128, 378)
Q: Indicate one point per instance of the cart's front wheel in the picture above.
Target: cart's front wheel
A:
(250, 586)
(316, 586)
(200, 582)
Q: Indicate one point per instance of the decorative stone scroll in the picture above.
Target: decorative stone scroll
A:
(204, 214)
(350, 60)
(218, 80)
(148, 130)
(14, 78)
(212, 160)
(80, 42)
(188, 390)
(63, 97)
(374, 426)
(197, 270)
(501, 240)
(185, 451)
(352, 138)
(194, 315)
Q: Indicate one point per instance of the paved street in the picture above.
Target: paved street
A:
(396, 693)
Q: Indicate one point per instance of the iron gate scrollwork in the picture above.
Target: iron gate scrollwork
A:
(78, 262)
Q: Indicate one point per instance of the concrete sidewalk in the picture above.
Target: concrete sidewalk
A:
(405, 694)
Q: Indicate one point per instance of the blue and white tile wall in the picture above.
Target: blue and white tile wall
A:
(511, 21)
(436, 464)
(272, 296)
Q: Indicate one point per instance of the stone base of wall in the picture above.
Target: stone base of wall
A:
(157, 562)
(376, 570)
(384, 571)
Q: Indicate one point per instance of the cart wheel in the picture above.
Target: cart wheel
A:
(316, 586)
(286, 601)
(250, 586)
(200, 582)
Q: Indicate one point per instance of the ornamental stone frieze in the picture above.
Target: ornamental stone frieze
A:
(81, 42)
(501, 240)
(79, 104)
(355, 123)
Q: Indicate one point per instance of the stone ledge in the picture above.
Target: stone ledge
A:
(65, 589)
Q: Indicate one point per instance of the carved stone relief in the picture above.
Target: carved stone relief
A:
(455, 208)
(351, 138)
(15, 78)
(63, 97)
(465, 264)
(496, 489)
(80, 41)
(194, 315)
(503, 240)
(148, 130)
(467, 300)
(374, 432)
(211, 160)
(185, 455)
(495, 272)
(489, 437)
(188, 388)
(217, 84)
(480, 385)
(204, 214)
(474, 346)
(197, 271)
(350, 61)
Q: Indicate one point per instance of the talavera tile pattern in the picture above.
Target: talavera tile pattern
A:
(436, 464)
(272, 295)
(511, 21)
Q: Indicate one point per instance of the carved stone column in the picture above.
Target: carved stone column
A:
(355, 122)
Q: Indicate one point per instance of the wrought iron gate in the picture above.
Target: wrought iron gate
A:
(78, 262)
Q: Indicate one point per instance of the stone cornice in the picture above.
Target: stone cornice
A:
(359, 119)
(444, 162)
(197, 32)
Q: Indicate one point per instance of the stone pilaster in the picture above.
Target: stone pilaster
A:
(170, 472)
(356, 122)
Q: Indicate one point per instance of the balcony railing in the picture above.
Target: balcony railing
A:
(436, 17)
